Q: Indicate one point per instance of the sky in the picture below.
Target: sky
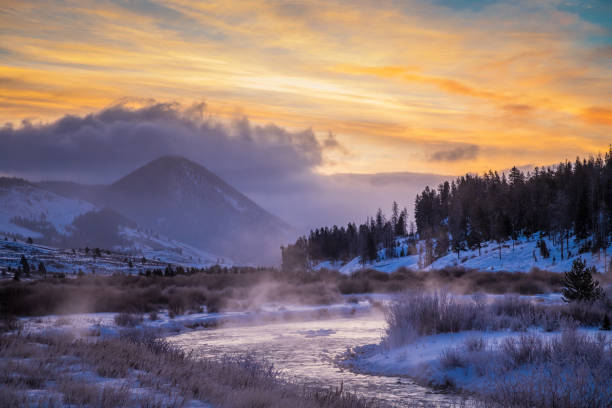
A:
(276, 95)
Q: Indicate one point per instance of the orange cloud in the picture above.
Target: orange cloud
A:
(597, 115)
(386, 78)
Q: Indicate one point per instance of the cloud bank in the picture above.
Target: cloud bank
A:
(102, 146)
(272, 165)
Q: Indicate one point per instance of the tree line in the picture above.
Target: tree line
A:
(370, 240)
(569, 199)
(561, 201)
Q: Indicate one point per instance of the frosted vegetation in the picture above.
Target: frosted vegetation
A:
(139, 370)
(427, 314)
(544, 355)
(572, 369)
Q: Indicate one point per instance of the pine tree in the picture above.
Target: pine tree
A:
(25, 266)
(372, 251)
(579, 284)
(605, 324)
(395, 214)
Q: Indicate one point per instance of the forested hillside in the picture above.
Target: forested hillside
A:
(572, 200)
(560, 201)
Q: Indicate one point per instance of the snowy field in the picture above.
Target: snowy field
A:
(506, 350)
(158, 253)
(519, 256)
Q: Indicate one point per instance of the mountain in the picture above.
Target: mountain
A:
(186, 201)
(29, 211)
(183, 200)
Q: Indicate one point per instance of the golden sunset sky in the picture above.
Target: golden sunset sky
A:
(440, 87)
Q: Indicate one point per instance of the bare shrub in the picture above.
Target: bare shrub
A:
(526, 349)
(475, 344)
(9, 323)
(11, 397)
(77, 393)
(569, 370)
(451, 359)
(128, 319)
(426, 314)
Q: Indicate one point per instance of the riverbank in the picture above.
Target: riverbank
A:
(135, 369)
(505, 352)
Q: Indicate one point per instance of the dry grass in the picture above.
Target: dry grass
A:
(128, 319)
(57, 364)
(572, 370)
(246, 288)
(434, 313)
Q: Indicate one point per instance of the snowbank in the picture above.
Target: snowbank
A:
(516, 256)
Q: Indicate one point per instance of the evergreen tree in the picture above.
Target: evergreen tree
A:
(579, 284)
(42, 269)
(605, 324)
(395, 214)
(25, 266)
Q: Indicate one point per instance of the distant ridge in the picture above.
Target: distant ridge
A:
(185, 201)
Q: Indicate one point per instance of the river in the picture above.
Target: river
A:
(305, 351)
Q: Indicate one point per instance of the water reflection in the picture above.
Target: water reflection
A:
(305, 351)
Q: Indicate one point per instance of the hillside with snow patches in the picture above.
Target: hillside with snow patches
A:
(157, 253)
(519, 256)
(187, 202)
(23, 207)
(56, 222)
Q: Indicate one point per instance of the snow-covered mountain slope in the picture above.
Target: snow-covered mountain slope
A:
(71, 261)
(185, 201)
(519, 256)
(28, 211)
(163, 249)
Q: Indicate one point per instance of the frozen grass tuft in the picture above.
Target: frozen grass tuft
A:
(102, 373)
(434, 313)
(128, 319)
(571, 370)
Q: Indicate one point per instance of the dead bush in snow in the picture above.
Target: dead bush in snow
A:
(433, 313)
(563, 371)
(128, 319)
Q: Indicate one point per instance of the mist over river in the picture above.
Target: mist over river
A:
(305, 351)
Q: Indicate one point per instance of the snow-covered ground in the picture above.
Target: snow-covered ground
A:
(158, 252)
(519, 256)
(163, 249)
(28, 211)
(37, 205)
(420, 359)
